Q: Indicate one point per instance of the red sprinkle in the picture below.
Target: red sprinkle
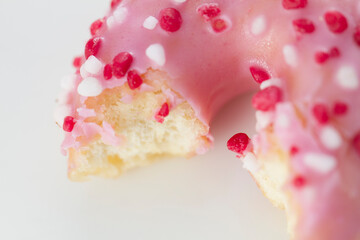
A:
(77, 62)
(108, 72)
(321, 113)
(340, 108)
(170, 19)
(121, 64)
(95, 26)
(68, 124)
(356, 143)
(162, 113)
(336, 22)
(238, 143)
(259, 74)
(266, 99)
(334, 52)
(134, 79)
(209, 11)
(304, 25)
(321, 57)
(114, 3)
(294, 150)
(219, 25)
(357, 36)
(92, 47)
(299, 181)
(294, 4)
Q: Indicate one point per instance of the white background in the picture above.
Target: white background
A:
(209, 197)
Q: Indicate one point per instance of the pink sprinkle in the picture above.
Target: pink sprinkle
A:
(121, 64)
(134, 79)
(219, 25)
(356, 143)
(294, 4)
(299, 182)
(209, 11)
(320, 112)
(238, 143)
(321, 57)
(357, 36)
(77, 62)
(294, 150)
(170, 19)
(162, 113)
(340, 108)
(266, 99)
(334, 52)
(95, 26)
(304, 25)
(115, 3)
(69, 123)
(336, 22)
(259, 74)
(108, 72)
(92, 47)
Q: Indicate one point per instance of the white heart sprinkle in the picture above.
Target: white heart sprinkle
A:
(263, 119)
(120, 14)
(258, 26)
(90, 87)
(347, 77)
(110, 22)
(290, 55)
(156, 53)
(330, 137)
(179, 1)
(320, 162)
(150, 23)
(93, 65)
(83, 72)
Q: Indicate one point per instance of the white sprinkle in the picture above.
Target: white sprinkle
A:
(120, 14)
(179, 1)
(110, 22)
(150, 23)
(319, 162)
(263, 119)
(330, 137)
(83, 72)
(270, 82)
(258, 25)
(93, 65)
(90, 87)
(290, 55)
(347, 77)
(68, 82)
(250, 163)
(283, 120)
(156, 53)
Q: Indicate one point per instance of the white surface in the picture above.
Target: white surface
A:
(209, 197)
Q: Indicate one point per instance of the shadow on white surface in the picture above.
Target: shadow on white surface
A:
(208, 197)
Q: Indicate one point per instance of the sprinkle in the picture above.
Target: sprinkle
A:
(69, 123)
(320, 113)
(120, 14)
(96, 26)
(68, 82)
(170, 19)
(330, 137)
(93, 65)
(303, 25)
(250, 163)
(110, 22)
(271, 82)
(162, 113)
(238, 143)
(321, 57)
(263, 120)
(283, 121)
(179, 1)
(83, 72)
(134, 79)
(77, 62)
(150, 23)
(290, 55)
(347, 77)
(357, 35)
(258, 26)
(108, 72)
(121, 64)
(219, 25)
(156, 53)
(299, 181)
(340, 108)
(90, 87)
(320, 162)
(294, 150)
(294, 4)
(209, 10)
(115, 3)
(334, 52)
(266, 99)
(356, 143)
(92, 47)
(259, 74)
(335, 21)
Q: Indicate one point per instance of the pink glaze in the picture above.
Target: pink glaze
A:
(209, 59)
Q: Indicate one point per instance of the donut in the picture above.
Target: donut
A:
(154, 73)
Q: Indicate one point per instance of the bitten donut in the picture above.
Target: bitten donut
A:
(154, 73)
